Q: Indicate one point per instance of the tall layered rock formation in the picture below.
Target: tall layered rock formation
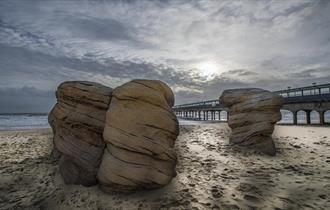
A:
(77, 121)
(252, 115)
(122, 139)
(139, 133)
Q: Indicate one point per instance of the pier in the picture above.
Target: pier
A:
(309, 99)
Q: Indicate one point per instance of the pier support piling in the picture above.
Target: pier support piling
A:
(321, 114)
(295, 120)
(308, 117)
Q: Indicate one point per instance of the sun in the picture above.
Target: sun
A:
(208, 69)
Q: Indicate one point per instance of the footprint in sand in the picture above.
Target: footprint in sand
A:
(216, 191)
(251, 198)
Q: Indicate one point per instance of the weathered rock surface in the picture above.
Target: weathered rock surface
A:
(77, 121)
(252, 115)
(140, 132)
(124, 145)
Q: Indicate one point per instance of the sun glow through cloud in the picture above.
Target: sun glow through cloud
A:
(208, 69)
(198, 48)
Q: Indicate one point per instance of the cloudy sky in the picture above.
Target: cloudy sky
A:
(199, 48)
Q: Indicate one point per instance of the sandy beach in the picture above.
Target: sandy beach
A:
(211, 174)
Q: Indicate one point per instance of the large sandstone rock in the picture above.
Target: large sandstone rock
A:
(252, 115)
(77, 121)
(140, 132)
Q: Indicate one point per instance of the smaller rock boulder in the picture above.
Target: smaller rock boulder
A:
(252, 115)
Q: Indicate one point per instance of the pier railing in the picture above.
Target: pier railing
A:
(300, 94)
(309, 98)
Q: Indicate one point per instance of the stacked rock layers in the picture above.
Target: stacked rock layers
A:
(252, 115)
(140, 132)
(125, 145)
(77, 121)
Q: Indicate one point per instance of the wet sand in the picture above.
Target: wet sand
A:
(211, 174)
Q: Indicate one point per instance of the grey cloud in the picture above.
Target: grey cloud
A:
(54, 69)
(15, 59)
(297, 8)
(187, 96)
(298, 62)
(25, 91)
(25, 100)
(28, 36)
(96, 28)
(232, 11)
(309, 76)
(256, 43)
(213, 88)
(239, 72)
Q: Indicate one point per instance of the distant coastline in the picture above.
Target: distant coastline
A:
(28, 121)
(23, 113)
(23, 121)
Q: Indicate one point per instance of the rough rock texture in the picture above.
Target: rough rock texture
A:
(125, 145)
(140, 132)
(77, 121)
(252, 115)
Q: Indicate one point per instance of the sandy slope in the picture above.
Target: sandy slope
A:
(211, 174)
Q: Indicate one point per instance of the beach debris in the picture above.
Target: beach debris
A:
(140, 131)
(77, 121)
(252, 115)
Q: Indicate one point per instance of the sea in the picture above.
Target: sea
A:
(23, 121)
(37, 121)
